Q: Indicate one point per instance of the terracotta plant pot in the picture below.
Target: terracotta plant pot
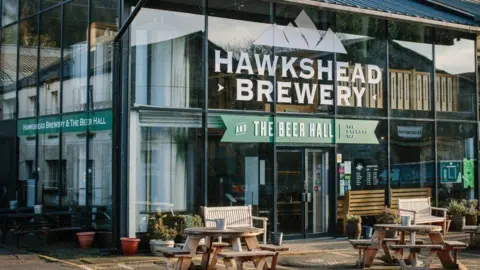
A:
(85, 239)
(129, 246)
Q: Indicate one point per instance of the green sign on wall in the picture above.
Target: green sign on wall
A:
(258, 129)
(78, 122)
(450, 172)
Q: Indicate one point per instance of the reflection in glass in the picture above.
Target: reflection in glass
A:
(412, 154)
(290, 187)
(49, 3)
(75, 55)
(167, 58)
(411, 66)
(362, 90)
(239, 173)
(49, 166)
(75, 157)
(99, 173)
(455, 153)
(102, 31)
(27, 170)
(27, 94)
(455, 75)
(235, 40)
(9, 12)
(168, 172)
(50, 62)
(8, 72)
(28, 8)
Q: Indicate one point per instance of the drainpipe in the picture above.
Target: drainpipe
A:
(120, 106)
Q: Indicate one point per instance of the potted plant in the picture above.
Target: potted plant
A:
(354, 226)
(129, 245)
(188, 221)
(456, 210)
(389, 216)
(471, 213)
(162, 236)
(85, 239)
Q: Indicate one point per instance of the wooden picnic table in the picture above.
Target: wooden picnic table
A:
(234, 235)
(438, 247)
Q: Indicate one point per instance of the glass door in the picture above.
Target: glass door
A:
(316, 186)
(302, 191)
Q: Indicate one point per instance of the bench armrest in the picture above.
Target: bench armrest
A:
(260, 218)
(411, 211)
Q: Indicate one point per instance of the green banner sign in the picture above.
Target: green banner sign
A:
(78, 122)
(258, 129)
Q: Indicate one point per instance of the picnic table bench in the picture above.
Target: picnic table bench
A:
(412, 258)
(259, 257)
(184, 257)
(472, 231)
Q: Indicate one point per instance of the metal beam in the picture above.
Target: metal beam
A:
(380, 14)
(129, 20)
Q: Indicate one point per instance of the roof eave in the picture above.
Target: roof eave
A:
(381, 14)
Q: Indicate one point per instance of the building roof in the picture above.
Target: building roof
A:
(451, 11)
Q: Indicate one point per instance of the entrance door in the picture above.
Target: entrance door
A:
(302, 191)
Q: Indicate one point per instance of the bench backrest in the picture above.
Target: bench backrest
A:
(364, 202)
(409, 193)
(420, 205)
(235, 216)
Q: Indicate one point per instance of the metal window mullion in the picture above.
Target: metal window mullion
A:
(88, 185)
(335, 164)
(273, 7)
(60, 107)
(205, 103)
(476, 157)
(37, 108)
(387, 82)
(433, 86)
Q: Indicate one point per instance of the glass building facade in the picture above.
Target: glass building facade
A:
(281, 106)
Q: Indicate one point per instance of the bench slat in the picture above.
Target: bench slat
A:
(273, 248)
(172, 251)
(416, 246)
(243, 254)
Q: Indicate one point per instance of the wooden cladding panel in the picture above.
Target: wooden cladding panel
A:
(372, 97)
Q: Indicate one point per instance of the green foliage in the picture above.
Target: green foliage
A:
(164, 233)
(472, 208)
(457, 208)
(388, 216)
(192, 221)
(354, 219)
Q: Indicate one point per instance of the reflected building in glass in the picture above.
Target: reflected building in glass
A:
(290, 108)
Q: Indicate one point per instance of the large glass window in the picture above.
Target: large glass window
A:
(367, 163)
(75, 54)
(307, 87)
(410, 73)
(457, 160)
(49, 3)
(8, 168)
(455, 75)
(9, 11)
(49, 166)
(28, 8)
(361, 70)
(168, 170)
(28, 56)
(103, 29)
(235, 32)
(50, 62)
(8, 72)
(412, 155)
(27, 169)
(166, 55)
(239, 173)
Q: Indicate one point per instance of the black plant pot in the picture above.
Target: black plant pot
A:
(354, 230)
(103, 239)
(276, 238)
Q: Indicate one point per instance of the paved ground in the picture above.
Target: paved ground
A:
(313, 254)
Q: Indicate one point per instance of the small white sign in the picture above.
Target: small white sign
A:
(339, 158)
(348, 167)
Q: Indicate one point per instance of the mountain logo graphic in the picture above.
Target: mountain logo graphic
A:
(305, 36)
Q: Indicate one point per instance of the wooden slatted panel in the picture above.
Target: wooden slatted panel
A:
(450, 100)
(406, 87)
(393, 89)
(438, 92)
(364, 202)
(426, 92)
(399, 90)
(443, 86)
(379, 91)
(409, 193)
(419, 89)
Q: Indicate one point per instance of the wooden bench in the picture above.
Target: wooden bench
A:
(184, 257)
(258, 257)
(235, 216)
(277, 250)
(363, 203)
(421, 212)
(472, 231)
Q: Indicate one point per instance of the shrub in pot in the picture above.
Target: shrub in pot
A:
(456, 210)
(188, 221)
(354, 226)
(471, 213)
(162, 236)
(389, 216)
